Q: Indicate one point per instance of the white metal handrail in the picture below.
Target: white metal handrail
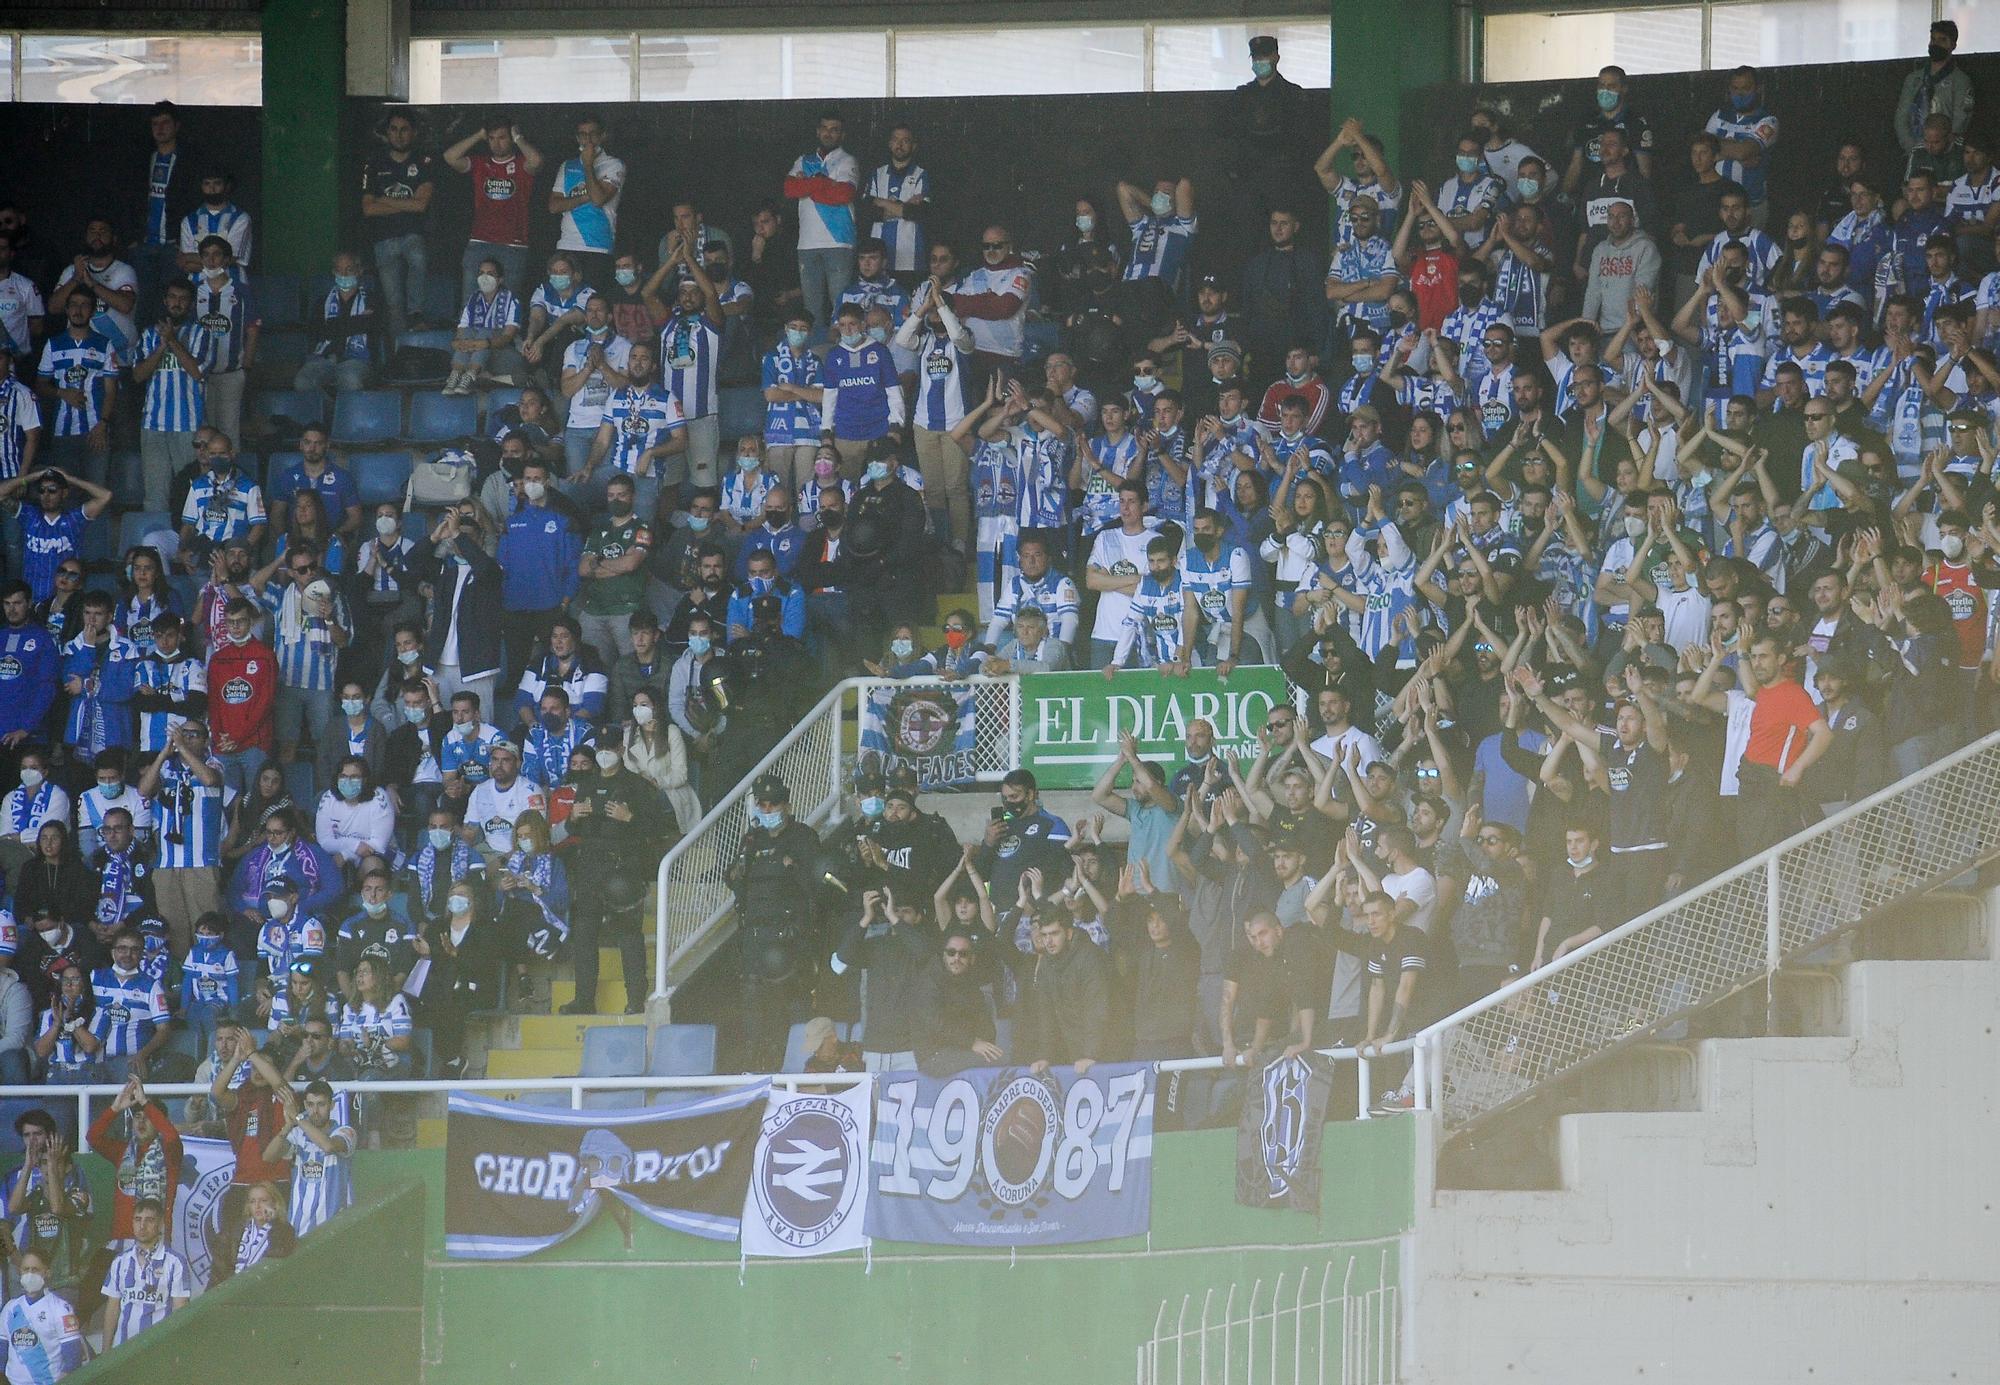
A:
(1732, 931)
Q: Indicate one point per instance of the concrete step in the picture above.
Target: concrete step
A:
(610, 995)
(564, 1031)
(1482, 1329)
(1943, 926)
(533, 1062)
(430, 1132)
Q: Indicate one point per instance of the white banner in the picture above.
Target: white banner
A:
(206, 1168)
(809, 1184)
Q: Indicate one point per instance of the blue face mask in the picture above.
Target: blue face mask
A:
(1467, 163)
(1607, 100)
(1163, 203)
(1528, 187)
(350, 787)
(770, 821)
(876, 471)
(352, 706)
(625, 277)
(794, 338)
(347, 283)
(559, 282)
(440, 837)
(902, 649)
(850, 340)
(1263, 67)
(698, 523)
(872, 807)
(1364, 363)
(415, 715)
(1743, 100)
(760, 585)
(699, 645)
(878, 334)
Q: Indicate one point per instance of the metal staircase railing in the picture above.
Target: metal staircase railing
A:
(1733, 931)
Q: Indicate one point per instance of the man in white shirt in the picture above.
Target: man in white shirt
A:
(497, 803)
(586, 195)
(825, 183)
(1117, 562)
(21, 310)
(1338, 731)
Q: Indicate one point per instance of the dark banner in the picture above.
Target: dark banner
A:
(519, 1179)
(1278, 1138)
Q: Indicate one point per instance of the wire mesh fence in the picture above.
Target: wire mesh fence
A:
(1657, 969)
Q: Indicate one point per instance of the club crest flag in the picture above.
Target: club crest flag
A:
(207, 1166)
(929, 727)
(1278, 1136)
(1007, 1157)
(809, 1182)
(519, 1179)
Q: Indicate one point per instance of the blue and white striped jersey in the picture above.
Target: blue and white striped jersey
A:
(1209, 582)
(640, 420)
(305, 644)
(129, 1009)
(1045, 462)
(744, 493)
(226, 308)
(492, 315)
(210, 976)
(146, 1284)
(230, 222)
(82, 365)
(1388, 584)
(225, 507)
(690, 348)
(582, 678)
(173, 402)
(1117, 459)
(789, 421)
(1153, 623)
(903, 237)
(1052, 593)
(996, 509)
(44, 1340)
(190, 816)
(940, 405)
(1160, 246)
(20, 415)
(321, 1181)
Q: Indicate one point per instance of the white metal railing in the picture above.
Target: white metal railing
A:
(693, 898)
(1733, 931)
(1323, 1335)
(574, 1087)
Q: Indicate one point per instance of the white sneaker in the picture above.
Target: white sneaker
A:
(451, 383)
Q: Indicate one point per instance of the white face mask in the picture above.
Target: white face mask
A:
(1953, 546)
(607, 759)
(31, 779)
(385, 526)
(1579, 865)
(488, 283)
(1634, 528)
(32, 1283)
(534, 490)
(51, 936)
(642, 714)
(277, 908)
(440, 837)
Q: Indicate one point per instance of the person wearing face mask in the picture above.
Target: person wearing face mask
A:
(1163, 225)
(463, 591)
(443, 859)
(774, 887)
(644, 436)
(693, 703)
(344, 343)
(614, 573)
(397, 184)
(1747, 131)
(215, 216)
(355, 818)
(593, 366)
(488, 328)
(547, 746)
(690, 350)
(1267, 118)
(555, 310)
(747, 487)
(1087, 236)
(1610, 111)
(792, 396)
(380, 926)
(708, 597)
(643, 665)
(540, 557)
(616, 824)
(461, 956)
(112, 795)
(778, 536)
(1935, 86)
(569, 666)
(861, 404)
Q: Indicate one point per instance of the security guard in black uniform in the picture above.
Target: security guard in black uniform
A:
(768, 685)
(775, 878)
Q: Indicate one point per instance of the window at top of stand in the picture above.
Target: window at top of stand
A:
(203, 70)
(1216, 57)
(1550, 47)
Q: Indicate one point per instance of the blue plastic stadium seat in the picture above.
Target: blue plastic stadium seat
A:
(300, 406)
(441, 303)
(436, 338)
(614, 1050)
(742, 408)
(442, 418)
(496, 399)
(795, 1044)
(560, 1099)
(683, 1050)
(276, 464)
(380, 476)
(277, 298)
(134, 525)
(368, 416)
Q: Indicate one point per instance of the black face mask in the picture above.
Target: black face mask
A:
(1939, 52)
(831, 520)
(1098, 279)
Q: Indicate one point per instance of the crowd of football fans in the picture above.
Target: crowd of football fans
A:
(1609, 522)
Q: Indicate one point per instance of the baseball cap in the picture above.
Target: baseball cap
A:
(1263, 46)
(1210, 281)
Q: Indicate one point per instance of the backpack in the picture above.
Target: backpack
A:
(444, 479)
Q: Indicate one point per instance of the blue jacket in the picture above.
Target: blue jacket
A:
(101, 719)
(28, 661)
(538, 558)
(787, 545)
(792, 611)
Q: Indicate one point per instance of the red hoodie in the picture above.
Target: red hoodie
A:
(128, 1189)
(242, 685)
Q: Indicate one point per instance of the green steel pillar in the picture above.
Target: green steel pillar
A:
(1383, 49)
(305, 66)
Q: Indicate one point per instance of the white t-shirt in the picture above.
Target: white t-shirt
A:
(114, 324)
(1334, 747)
(598, 230)
(20, 304)
(495, 809)
(1736, 736)
(1686, 613)
(1122, 555)
(1419, 886)
(586, 406)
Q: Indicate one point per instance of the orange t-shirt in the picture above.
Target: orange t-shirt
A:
(1779, 722)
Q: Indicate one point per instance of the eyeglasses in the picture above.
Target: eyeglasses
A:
(301, 569)
(993, 245)
(958, 952)
(1493, 345)
(1823, 415)
(1144, 370)
(1491, 839)
(1956, 427)
(69, 573)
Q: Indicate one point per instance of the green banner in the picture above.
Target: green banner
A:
(1071, 722)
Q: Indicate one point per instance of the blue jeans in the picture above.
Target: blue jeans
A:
(400, 263)
(576, 448)
(1102, 652)
(239, 769)
(323, 372)
(513, 268)
(822, 275)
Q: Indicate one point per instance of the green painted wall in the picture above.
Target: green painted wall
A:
(305, 65)
(1381, 50)
(686, 1307)
(346, 1306)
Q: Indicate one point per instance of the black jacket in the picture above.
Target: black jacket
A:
(895, 960)
(479, 609)
(1163, 1002)
(1065, 1010)
(946, 1012)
